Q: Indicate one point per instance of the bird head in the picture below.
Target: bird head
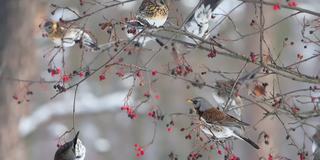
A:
(50, 26)
(200, 103)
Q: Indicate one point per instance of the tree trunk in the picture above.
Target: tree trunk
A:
(17, 59)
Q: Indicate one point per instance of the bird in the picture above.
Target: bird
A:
(153, 13)
(198, 23)
(218, 124)
(213, 115)
(223, 88)
(316, 144)
(67, 36)
(72, 150)
(223, 132)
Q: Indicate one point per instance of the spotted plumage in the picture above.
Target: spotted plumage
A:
(153, 12)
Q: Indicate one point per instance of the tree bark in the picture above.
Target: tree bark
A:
(17, 59)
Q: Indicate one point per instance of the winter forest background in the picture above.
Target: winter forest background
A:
(33, 115)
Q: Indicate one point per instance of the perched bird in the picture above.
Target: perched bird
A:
(223, 89)
(213, 115)
(153, 12)
(72, 150)
(316, 144)
(64, 36)
(222, 132)
(198, 24)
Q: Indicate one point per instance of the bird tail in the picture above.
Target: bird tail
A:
(247, 140)
(89, 41)
(159, 42)
(75, 139)
(241, 123)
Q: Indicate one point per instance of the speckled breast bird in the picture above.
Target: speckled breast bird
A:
(72, 150)
(222, 132)
(316, 144)
(213, 115)
(64, 36)
(153, 12)
(198, 24)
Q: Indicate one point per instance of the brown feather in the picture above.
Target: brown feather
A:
(215, 116)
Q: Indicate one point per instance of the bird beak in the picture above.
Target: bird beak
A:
(189, 100)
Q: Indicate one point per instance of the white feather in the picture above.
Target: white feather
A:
(80, 150)
(217, 99)
(72, 35)
(314, 147)
(199, 24)
(219, 132)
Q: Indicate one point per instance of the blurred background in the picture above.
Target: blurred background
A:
(30, 130)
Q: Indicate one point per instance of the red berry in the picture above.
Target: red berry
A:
(65, 78)
(154, 72)
(212, 54)
(276, 7)
(139, 74)
(81, 74)
(157, 97)
(58, 70)
(102, 77)
(292, 4)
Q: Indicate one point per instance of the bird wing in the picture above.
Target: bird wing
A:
(234, 121)
(215, 116)
(75, 34)
(206, 6)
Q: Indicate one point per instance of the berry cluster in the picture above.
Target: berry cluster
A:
(130, 111)
(138, 150)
